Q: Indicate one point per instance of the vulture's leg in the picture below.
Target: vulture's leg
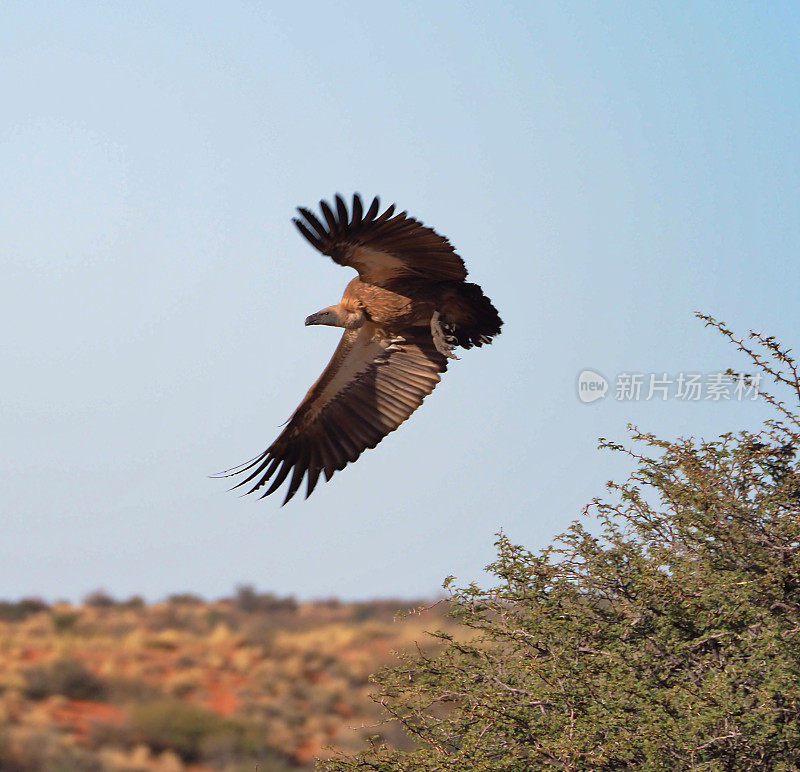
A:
(445, 343)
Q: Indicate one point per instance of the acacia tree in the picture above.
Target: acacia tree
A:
(669, 640)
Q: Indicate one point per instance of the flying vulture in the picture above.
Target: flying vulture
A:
(403, 316)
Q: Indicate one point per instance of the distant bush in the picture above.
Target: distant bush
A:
(174, 725)
(214, 616)
(64, 620)
(33, 750)
(385, 609)
(249, 600)
(196, 733)
(185, 598)
(68, 677)
(16, 611)
(99, 599)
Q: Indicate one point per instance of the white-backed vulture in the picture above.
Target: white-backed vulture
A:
(403, 316)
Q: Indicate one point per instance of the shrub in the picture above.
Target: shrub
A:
(175, 725)
(668, 640)
(195, 733)
(68, 677)
(247, 599)
(185, 599)
(99, 599)
(32, 750)
(11, 611)
(63, 621)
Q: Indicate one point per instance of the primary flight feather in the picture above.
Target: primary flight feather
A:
(403, 315)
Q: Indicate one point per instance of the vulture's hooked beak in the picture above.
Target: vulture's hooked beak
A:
(312, 319)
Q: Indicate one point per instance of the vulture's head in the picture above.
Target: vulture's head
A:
(326, 316)
(336, 316)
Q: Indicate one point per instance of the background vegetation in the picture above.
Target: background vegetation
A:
(184, 684)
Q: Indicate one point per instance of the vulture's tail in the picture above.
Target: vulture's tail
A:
(474, 319)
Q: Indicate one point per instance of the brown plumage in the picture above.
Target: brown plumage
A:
(403, 315)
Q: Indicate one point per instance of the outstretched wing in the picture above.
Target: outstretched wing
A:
(381, 248)
(370, 386)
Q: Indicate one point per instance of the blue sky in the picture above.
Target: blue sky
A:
(604, 169)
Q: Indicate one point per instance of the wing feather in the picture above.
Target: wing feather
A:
(272, 463)
(341, 209)
(310, 237)
(333, 224)
(372, 384)
(338, 451)
(357, 211)
(312, 220)
(383, 248)
(328, 457)
(373, 208)
(300, 469)
(276, 483)
(313, 476)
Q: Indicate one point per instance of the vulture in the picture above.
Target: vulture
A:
(402, 316)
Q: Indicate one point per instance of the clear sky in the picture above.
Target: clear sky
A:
(605, 169)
